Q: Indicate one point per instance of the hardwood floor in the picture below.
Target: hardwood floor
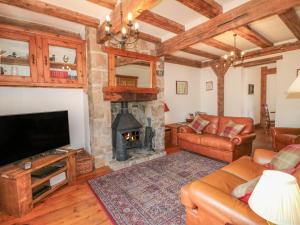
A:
(77, 205)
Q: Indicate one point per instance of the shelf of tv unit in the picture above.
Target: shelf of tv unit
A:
(17, 184)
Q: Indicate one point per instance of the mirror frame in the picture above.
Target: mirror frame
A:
(113, 52)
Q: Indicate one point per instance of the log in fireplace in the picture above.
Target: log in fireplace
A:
(125, 133)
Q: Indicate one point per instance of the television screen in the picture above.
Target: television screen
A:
(22, 136)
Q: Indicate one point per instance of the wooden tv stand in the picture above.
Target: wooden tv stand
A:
(17, 184)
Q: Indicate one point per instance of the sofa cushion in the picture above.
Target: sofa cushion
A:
(249, 124)
(215, 141)
(244, 191)
(245, 168)
(198, 124)
(232, 129)
(190, 137)
(223, 181)
(212, 127)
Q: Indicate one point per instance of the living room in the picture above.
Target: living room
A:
(149, 112)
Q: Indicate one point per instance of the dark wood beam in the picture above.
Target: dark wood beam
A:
(233, 19)
(292, 21)
(52, 10)
(182, 61)
(260, 62)
(35, 27)
(136, 7)
(161, 22)
(273, 50)
(150, 38)
(208, 8)
(253, 36)
(220, 45)
(201, 53)
(110, 4)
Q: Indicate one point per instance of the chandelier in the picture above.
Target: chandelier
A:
(129, 32)
(234, 57)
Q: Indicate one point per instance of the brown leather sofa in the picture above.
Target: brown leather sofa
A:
(211, 144)
(209, 200)
(283, 136)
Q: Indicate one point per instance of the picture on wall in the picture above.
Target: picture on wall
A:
(209, 86)
(250, 89)
(181, 87)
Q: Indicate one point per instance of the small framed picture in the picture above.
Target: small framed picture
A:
(209, 85)
(181, 87)
(250, 89)
(298, 72)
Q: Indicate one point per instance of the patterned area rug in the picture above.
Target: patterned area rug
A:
(148, 193)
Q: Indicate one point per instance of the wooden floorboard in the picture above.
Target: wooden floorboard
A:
(76, 204)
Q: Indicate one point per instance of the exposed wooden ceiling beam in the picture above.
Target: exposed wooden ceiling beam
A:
(201, 53)
(208, 8)
(273, 50)
(292, 21)
(29, 26)
(233, 19)
(260, 61)
(220, 45)
(161, 22)
(150, 38)
(182, 61)
(110, 4)
(253, 36)
(52, 10)
(136, 7)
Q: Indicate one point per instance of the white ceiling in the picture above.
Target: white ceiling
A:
(272, 27)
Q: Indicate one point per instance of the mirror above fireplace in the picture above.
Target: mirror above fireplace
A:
(131, 76)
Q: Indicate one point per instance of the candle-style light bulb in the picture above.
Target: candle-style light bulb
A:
(136, 26)
(124, 31)
(107, 28)
(225, 57)
(232, 53)
(242, 53)
(129, 17)
(107, 18)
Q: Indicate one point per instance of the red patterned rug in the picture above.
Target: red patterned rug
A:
(148, 193)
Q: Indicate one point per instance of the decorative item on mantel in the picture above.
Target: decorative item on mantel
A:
(129, 31)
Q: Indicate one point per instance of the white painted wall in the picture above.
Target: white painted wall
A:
(181, 105)
(287, 110)
(15, 100)
(208, 99)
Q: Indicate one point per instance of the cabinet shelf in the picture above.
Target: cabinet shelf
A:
(59, 65)
(38, 181)
(14, 61)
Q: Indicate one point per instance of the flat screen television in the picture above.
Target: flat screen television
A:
(25, 135)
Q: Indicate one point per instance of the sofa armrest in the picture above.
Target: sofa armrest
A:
(186, 129)
(285, 130)
(222, 206)
(245, 138)
(263, 156)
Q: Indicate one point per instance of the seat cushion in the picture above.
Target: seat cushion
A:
(190, 137)
(245, 168)
(215, 141)
(223, 181)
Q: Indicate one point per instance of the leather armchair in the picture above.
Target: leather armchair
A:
(208, 200)
(282, 136)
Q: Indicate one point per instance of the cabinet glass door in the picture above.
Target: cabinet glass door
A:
(63, 62)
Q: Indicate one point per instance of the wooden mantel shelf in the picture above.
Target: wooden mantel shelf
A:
(120, 94)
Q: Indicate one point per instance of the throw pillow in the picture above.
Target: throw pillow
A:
(232, 129)
(287, 159)
(244, 191)
(198, 124)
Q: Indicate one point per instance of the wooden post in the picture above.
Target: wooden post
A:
(220, 70)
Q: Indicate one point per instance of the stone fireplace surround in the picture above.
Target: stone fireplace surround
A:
(102, 113)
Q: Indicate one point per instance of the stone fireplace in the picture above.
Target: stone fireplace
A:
(102, 113)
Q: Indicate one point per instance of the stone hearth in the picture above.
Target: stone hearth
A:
(102, 113)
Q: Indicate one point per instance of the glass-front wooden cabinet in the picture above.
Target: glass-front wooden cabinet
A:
(17, 58)
(41, 60)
